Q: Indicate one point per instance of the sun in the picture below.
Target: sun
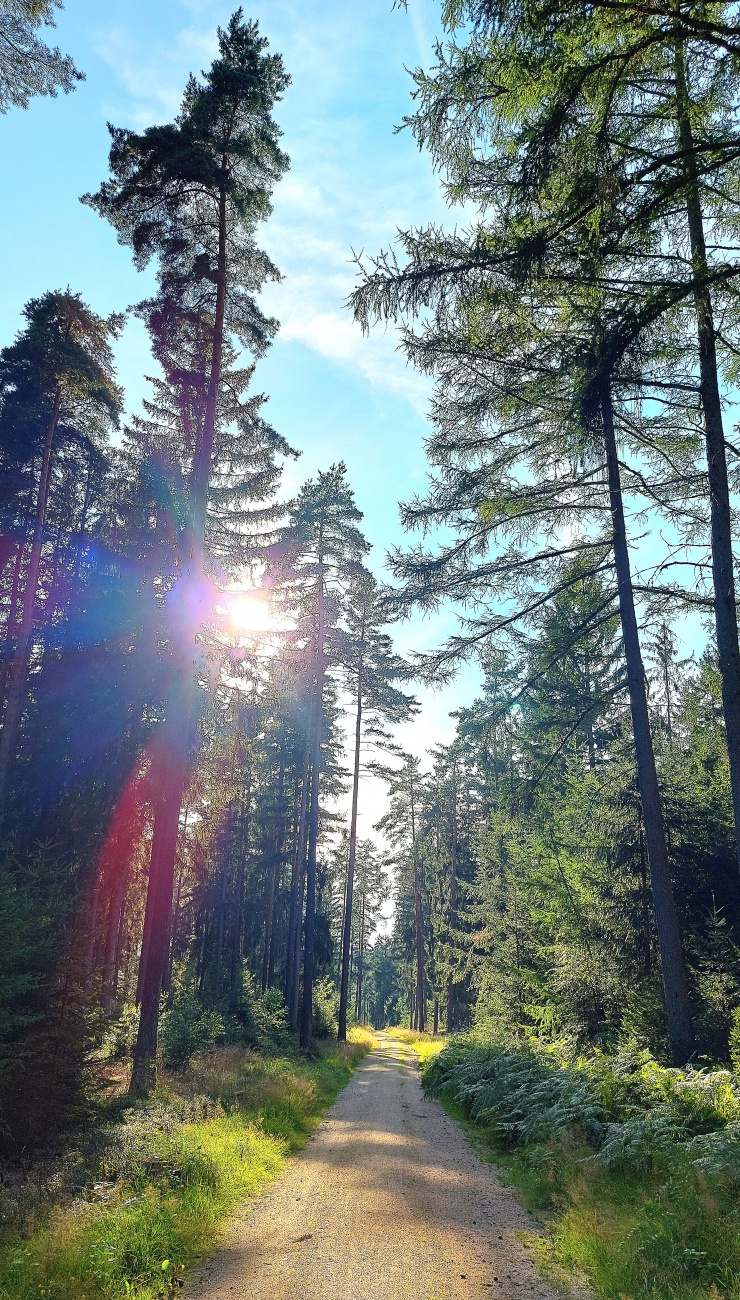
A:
(250, 613)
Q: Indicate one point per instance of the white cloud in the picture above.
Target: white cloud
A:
(351, 184)
(153, 85)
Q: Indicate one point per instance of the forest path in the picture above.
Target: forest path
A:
(387, 1202)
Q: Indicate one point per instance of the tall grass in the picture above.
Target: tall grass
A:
(169, 1172)
(637, 1166)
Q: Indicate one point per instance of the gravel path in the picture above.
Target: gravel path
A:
(387, 1202)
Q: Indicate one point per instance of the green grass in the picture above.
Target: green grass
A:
(168, 1174)
(426, 1046)
(636, 1168)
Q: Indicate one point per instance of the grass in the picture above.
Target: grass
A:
(426, 1046)
(167, 1174)
(636, 1167)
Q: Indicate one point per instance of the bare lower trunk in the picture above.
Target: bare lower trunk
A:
(347, 927)
(159, 895)
(313, 817)
(418, 922)
(725, 612)
(294, 921)
(678, 1014)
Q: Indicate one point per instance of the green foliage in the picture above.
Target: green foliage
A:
(159, 1182)
(639, 1165)
(325, 1008)
(189, 1027)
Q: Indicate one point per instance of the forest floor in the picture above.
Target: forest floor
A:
(387, 1202)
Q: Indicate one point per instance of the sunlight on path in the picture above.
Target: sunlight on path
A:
(387, 1202)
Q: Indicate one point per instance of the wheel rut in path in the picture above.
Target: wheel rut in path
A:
(387, 1202)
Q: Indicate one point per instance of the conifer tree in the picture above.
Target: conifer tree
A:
(402, 825)
(27, 65)
(190, 194)
(58, 385)
(328, 552)
(371, 668)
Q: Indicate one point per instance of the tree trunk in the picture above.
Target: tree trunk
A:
(450, 1022)
(274, 869)
(347, 928)
(725, 612)
(112, 939)
(313, 819)
(418, 918)
(159, 899)
(678, 1014)
(18, 667)
(296, 907)
(166, 825)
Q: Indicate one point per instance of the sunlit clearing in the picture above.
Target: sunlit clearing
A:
(251, 613)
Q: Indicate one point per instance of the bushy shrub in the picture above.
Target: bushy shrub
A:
(325, 1009)
(272, 1031)
(188, 1027)
(120, 1035)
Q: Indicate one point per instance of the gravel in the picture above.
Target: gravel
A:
(387, 1202)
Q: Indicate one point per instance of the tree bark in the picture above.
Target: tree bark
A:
(450, 1021)
(313, 819)
(167, 820)
(274, 870)
(159, 901)
(725, 611)
(347, 928)
(418, 917)
(678, 1014)
(296, 907)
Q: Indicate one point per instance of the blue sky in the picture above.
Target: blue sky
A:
(352, 183)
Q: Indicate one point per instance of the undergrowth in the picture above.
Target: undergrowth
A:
(637, 1166)
(127, 1216)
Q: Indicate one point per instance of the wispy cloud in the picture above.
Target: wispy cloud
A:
(352, 184)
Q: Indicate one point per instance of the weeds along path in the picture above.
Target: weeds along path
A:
(387, 1202)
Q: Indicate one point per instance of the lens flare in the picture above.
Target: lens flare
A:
(250, 613)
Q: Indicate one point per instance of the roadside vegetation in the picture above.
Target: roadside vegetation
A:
(426, 1046)
(635, 1166)
(144, 1196)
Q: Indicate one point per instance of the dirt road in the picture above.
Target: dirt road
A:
(387, 1202)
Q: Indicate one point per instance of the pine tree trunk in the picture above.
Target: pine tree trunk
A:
(418, 920)
(725, 610)
(678, 1014)
(450, 1022)
(347, 927)
(274, 871)
(360, 962)
(167, 821)
(296, 907)
(313, 818)
(19, 662)
(159, 902)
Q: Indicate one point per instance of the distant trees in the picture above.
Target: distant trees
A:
(58, 386)
(371, 671)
